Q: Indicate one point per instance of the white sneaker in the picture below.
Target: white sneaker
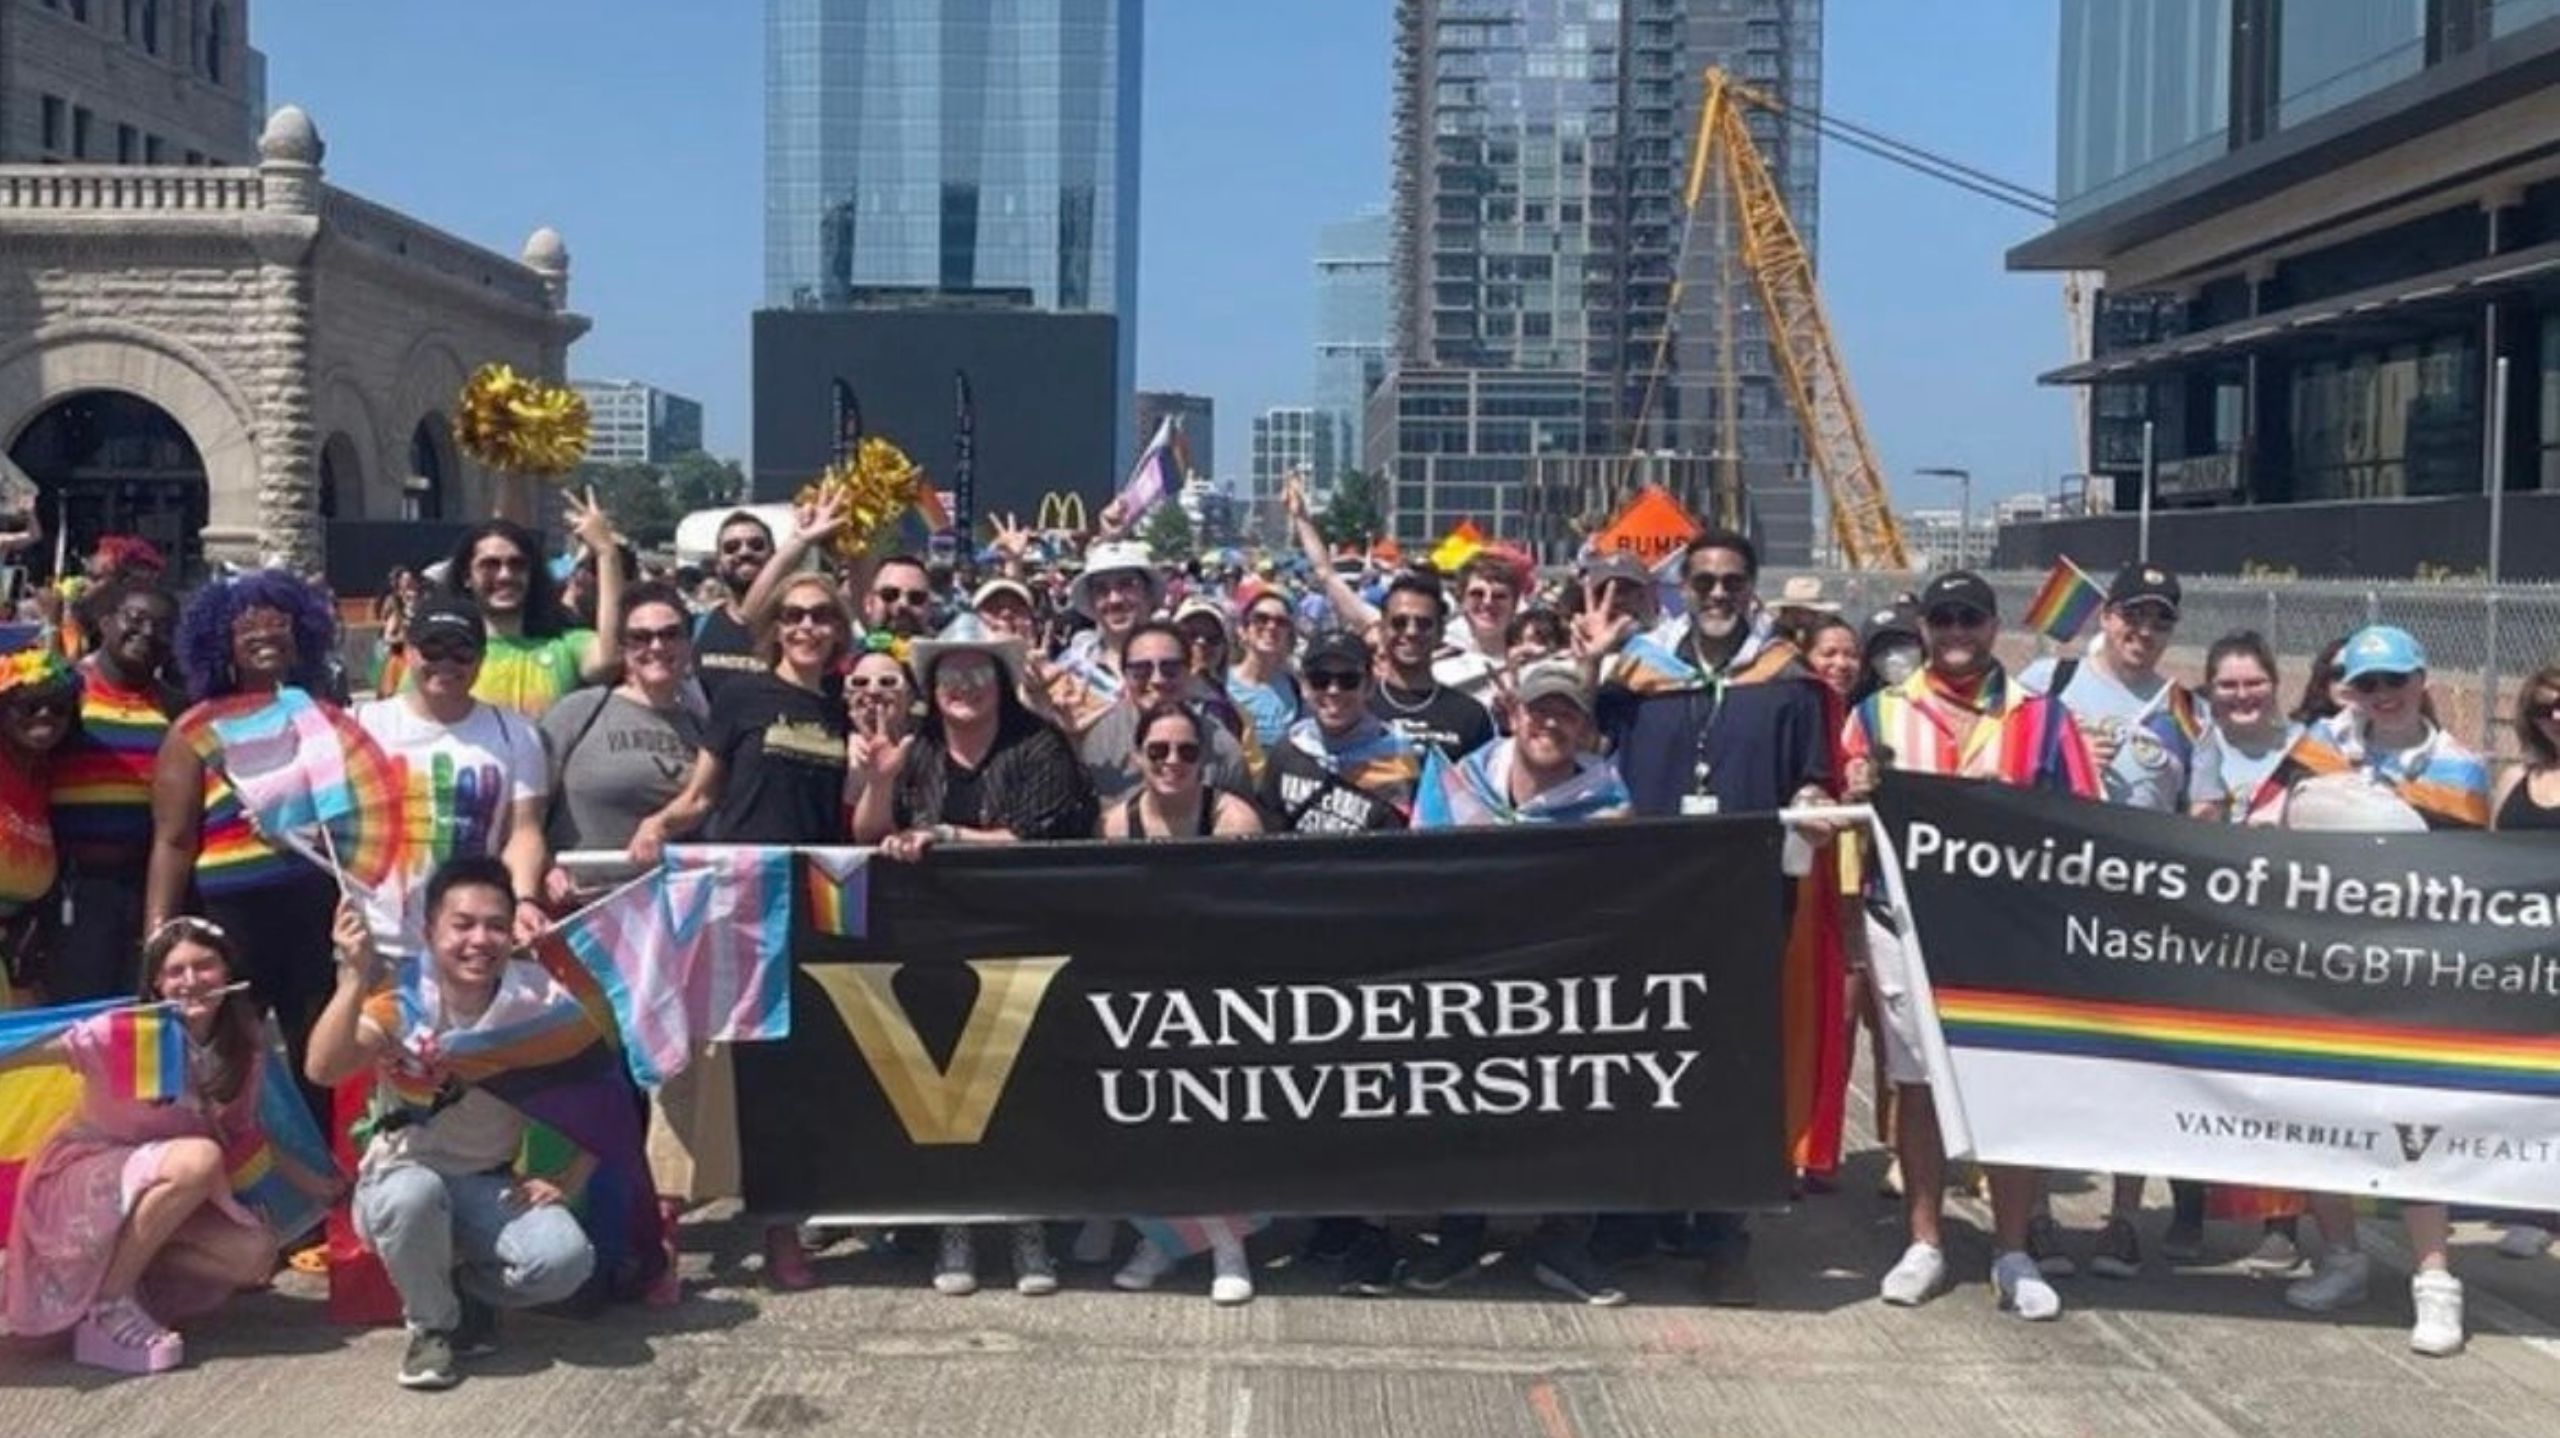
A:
(1234, 1281)
(1915, 1277)
(1146, 1264)
(955, 1269)
(2438, 1296)
(2524, 1240)
(2022, 1288)
(2337, 1281)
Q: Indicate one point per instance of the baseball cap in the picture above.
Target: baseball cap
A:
(2140, 583)
(448, 616)
(1338, 646)
(1959, 587)
(1560, 678)
(1002, 585)
(1617, 564)
(1902, 619)
(2381, 649)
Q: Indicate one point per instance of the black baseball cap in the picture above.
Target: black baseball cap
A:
(1959, 586)
(2140, 583)
(1902, 619)
(448, 616)
(1339, 647)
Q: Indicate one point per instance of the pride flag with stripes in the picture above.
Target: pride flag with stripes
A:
(835, 885)
(2065, 602)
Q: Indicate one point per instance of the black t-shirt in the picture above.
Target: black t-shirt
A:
(1302, 797)
(723, 649)
(1449, 721)
(782, 752)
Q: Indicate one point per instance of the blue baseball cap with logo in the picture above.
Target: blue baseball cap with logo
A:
(2381, 649)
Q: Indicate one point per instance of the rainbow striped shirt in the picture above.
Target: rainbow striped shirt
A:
(102, 777)
(231, 855)
(2002, 733)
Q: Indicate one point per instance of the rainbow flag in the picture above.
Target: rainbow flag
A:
(1158, 473)
(146, 1051)
(260, 1165)
(1462, 543)
(2064, 602)
(297, 765)
(836, 886)
(2350, 1051)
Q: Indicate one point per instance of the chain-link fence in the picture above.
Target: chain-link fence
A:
(2480, 642)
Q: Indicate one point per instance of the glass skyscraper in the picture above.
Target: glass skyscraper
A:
(951, 146)
(1351, 325)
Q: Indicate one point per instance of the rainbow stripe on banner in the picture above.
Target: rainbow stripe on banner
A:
(2065, 602)
(2334, 1049)
(836, 887)
(147, 1054)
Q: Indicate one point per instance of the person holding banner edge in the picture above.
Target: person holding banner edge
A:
(2528, 799)
(1959, 715)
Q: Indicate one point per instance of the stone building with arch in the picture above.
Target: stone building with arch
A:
(240, 363)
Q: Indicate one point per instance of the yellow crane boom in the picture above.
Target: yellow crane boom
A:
(1817, 382)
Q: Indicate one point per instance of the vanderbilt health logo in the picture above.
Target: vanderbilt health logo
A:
(940, 1105)
(2416, 1139)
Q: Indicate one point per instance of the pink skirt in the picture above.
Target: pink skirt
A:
(72, 1205)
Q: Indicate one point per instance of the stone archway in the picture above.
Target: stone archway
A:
(61, 361)
(342, 478)
(432, 488)
(106, 462)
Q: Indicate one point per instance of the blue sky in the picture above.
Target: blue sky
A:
(636, 128)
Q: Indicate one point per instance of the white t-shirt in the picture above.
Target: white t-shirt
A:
(463, 781)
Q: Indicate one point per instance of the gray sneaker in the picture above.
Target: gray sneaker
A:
(429, 1361)
(2119, 1251)
(2044, 1245)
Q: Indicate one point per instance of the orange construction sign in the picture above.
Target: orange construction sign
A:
(1651, 527)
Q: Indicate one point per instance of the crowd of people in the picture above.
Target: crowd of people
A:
(1045, 691)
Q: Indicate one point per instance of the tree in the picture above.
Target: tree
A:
(1352, 519)
(697, 481)
(636, 496)
(1168, 533)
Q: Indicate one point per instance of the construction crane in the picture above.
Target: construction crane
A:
(1747, 201)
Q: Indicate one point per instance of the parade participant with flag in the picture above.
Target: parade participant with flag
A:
(2148, 734)
(437, 1196)
(39, 704)
(1959, 715)
(535, 654)
(1715, 713)
(1340, 770)
(253, 649)
(1118, 590)
(127, 1219)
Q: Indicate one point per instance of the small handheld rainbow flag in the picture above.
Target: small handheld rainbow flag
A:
(147, 1054)
(2064, 602)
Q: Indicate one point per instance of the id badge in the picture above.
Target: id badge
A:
(1693, 805)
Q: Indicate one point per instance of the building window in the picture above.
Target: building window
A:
(195, 157)
(154, 150)
(128, 144)
(80, 11)
(81, 123)
(54, 123)
(217, 34)
(151, 27)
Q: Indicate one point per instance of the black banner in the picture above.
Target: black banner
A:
(845, 413)
(1554, 1018)
(2140, 992)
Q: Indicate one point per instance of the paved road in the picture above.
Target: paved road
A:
(2203, 1351)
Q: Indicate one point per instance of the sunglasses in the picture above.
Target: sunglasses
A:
(886, 683)
(1337, 680)
(1719, 583)
(1159, 751)
(133, 619)
(964, 676)
(892, 594)
(1412, 623)
(448, 651)
(2375, 683)
(1142, 671)
(798, 614)
(1266, 620)
(511, 564)
(31, 705)
(670, 636)
(1956, 616)
(745, 546)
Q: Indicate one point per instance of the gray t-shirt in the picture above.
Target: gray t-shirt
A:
(614, 762)
(1108, 750)
(2153, 755)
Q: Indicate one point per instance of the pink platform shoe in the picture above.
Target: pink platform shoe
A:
(117, 1335)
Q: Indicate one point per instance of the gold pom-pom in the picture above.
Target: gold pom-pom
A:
(876, 486)
(516, 424)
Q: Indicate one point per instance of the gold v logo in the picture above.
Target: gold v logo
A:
(940, 1105)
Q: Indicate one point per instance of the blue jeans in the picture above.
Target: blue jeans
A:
(434, 1230)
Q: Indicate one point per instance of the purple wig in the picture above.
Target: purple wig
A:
(204, 631)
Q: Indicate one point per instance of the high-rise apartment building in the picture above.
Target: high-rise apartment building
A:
(1293, 437)
(636, 423)
(1195, 414)
(1540, 154)
(1352, 284)
(954, 146)
(129, 82)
